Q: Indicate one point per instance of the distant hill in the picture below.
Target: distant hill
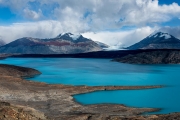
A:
(157, 40)
(66, 43)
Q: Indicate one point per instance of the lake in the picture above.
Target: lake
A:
(96, 72)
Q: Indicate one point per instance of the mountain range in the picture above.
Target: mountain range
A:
(157, 40)
(66, 43)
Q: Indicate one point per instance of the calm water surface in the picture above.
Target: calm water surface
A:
(95, 72)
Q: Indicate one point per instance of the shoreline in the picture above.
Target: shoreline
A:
(125, 88)
(115, 88)
(55, 101)
(100, 107)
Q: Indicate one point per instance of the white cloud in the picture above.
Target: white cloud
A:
(50, 29)
(38, 29)
(121, 38)
(99, 14)
(88, 16)
(30, 14)
(41, 29)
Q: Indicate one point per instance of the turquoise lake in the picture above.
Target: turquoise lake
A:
(100, 72)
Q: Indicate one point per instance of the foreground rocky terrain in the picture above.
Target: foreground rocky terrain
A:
(25, 100)
(152, 57)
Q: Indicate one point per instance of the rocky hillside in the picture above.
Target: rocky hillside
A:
(157, 40)
(102, 45)
(11, 70)
(152, 57)
(66, 43)
(15, 112)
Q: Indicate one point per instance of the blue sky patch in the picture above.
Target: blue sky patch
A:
(173, 23)
(6, 15)
(168, 2)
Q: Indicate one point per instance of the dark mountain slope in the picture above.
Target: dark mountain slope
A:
(67, 43)
(157, 41)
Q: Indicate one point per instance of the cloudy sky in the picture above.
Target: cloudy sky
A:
(114, 22)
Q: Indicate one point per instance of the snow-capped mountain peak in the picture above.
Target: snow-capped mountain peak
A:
(157, 40)
(75, 36)
(160, 34)
(70, 35)
(66, 43)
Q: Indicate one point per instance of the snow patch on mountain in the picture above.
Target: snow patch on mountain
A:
(32, 39)
(60, 35)
(166, 36)
(74, 36)
(160, 34)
